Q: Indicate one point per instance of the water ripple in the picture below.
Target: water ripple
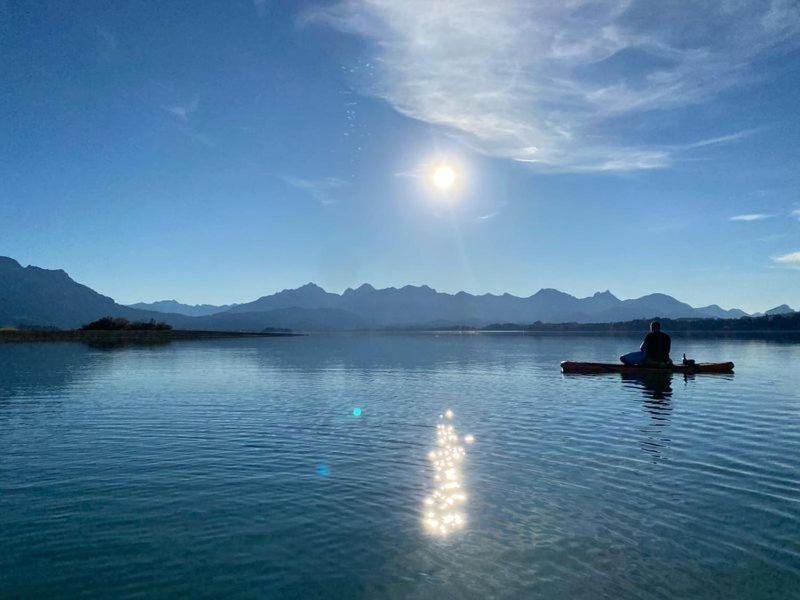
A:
(240, 468)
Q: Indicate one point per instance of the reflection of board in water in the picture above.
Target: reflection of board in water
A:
(656, 390)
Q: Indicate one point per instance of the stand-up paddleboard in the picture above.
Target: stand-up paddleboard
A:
(593, 367)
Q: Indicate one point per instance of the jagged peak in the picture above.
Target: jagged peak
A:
(364, 288)
(57, 272)
(425, 288)
(309, 287)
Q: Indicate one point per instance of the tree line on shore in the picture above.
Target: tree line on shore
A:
(120, 324)
(769, 323)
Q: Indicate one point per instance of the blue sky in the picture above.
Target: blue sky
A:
(220, 151)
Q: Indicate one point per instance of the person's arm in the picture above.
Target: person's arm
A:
(643, 347)
(668, 344)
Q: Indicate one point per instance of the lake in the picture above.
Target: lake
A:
(300, 468)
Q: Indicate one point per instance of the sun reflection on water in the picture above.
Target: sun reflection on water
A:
(443, 510)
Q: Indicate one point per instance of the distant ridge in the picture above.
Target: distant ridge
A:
(393, 307)
(31, 296)
(783, 309)
(190, 310)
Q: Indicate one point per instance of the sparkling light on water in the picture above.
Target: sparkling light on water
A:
(443, 510)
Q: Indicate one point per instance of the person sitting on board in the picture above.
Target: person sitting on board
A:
(654, 350)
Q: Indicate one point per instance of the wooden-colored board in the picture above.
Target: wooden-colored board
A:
(592, 367)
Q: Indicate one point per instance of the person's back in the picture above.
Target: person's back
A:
(657, 344)
(654, 349)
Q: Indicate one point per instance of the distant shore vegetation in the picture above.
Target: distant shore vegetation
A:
(770, 323)
(777, 323)
(120, 324)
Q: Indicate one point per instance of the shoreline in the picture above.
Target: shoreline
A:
(129, 336)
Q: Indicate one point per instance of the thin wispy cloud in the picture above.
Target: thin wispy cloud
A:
(795, 213)
(545, 82)
(723, 139)
(487, 216)
(322, 190)
(751, 217)
(791, 259)
(184, 112)
(417, 172)
(185, 122)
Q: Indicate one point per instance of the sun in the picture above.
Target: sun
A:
(444, 177)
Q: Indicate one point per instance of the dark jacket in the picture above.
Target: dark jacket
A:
(656, 346)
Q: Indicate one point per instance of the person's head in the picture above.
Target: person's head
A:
(655, 326)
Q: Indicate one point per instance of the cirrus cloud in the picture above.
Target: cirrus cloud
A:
(544, 82)
(750, 217)
(793, 258)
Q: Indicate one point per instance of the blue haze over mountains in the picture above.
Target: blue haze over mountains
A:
(173, 306)
(31, 296)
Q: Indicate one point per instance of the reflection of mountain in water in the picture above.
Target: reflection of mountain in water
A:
(365, 353)
(42, 369)
(116, 344)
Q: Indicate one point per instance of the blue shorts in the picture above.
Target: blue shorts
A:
(633, 359)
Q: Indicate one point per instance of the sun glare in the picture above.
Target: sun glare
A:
(443, 510)
(444, 177)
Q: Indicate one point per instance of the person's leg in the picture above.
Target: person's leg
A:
(632, 359)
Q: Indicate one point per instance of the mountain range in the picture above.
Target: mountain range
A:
(31, 296)
(173, 306)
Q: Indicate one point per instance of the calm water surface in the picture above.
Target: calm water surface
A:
(241, 468)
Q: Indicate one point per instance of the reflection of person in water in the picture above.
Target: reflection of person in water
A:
(657, 391)
(656, 386)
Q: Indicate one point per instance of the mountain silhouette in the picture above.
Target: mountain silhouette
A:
(307, 296)
(715, 311)
(783, 309)
(31, 296)
(412, 305)
(190, 310)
